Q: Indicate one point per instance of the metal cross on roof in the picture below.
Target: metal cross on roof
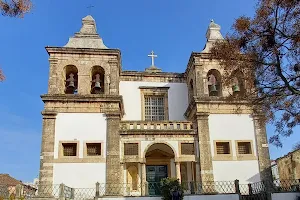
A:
(152, 55)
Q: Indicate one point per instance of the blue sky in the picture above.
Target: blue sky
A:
(172, 28)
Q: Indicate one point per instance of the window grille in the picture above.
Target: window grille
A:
(69, 149)
(93, 149)
(187, 149)
(154, 108)
(223, 147)
(244, 147)
(131, 149)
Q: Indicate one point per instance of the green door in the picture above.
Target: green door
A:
(154, 174)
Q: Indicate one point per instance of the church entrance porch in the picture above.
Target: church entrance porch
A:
(143, 175)
(159, 164)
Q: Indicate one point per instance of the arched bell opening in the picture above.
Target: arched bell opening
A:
(71, 79)
(97, 86)
(214, 82)
(238, 83)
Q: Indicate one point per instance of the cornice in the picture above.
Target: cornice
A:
(81, 98)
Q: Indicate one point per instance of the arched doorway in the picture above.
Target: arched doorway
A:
(159, 164)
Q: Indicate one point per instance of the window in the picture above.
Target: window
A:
(244, 148)
(69, 149)
(154, 108)
(187, 149)
(154, 103)
(131, 149)
(93, 149)
(223, 147)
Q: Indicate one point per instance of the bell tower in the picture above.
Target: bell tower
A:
(208, 102)
(83, 79)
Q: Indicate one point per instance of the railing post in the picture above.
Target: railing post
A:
(250, 189)
(97, 195)
(72, 193)
(19, 191)
(61, 191)
(237, 187)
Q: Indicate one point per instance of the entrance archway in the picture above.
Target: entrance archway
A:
(159, 164)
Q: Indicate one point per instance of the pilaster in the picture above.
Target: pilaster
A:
(206, 166)
(262, 147)
(113, 164)
(47, 148)
(52, 86)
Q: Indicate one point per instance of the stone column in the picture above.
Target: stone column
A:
(206, 166)
(262, 147)
(113, 162)
(47, 152)
(144, 182)
(178, 174)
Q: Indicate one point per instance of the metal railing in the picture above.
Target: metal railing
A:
(148, 189)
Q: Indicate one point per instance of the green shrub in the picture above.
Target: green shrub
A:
(168, 185)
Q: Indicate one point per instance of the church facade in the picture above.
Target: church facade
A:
(102, 124)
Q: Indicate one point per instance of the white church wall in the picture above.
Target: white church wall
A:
(79, 175)
(82, 127)
(233, 127)
(177, 99)
(79, 127)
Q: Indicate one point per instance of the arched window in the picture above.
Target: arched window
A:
(132, 177)
(97, 86)
(214, 83)
(71, 79)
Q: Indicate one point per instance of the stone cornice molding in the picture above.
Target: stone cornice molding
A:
(90, 51)
(113, 115)
(202, 115)
(81, 98)
(157, 77)
(49, 114)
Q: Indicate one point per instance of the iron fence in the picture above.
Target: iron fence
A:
(148, 189)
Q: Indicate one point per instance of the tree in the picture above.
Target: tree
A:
(296, 146)
(264, 51)
(2, 77)
(14, 8)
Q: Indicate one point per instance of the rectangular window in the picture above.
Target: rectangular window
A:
(131, 149)
(187, 149)
(223, 147)
(69, 149)
(154, 108)
(93, 149)
(244, 148)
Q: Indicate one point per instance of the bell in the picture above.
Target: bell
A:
(70, 89)
(236, 88)
(97, 88)
(213, 90)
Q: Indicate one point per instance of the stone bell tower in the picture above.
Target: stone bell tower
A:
(84, 78)
(207, 99)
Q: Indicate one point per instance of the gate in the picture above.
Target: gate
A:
(254, 191)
